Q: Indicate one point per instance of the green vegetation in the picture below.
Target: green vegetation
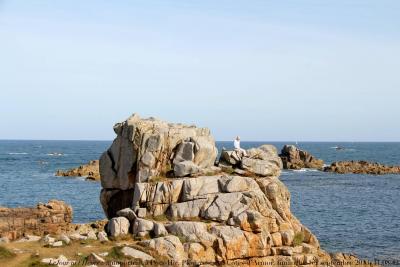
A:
(159, 218)
(5, 253)
(183, 239)
(37, 263)
(298, 239)
(141, 238)
(157, 179)
(229, 170)
(34, 261)
(116, 254)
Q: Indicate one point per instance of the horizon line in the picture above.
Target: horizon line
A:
(243, 141)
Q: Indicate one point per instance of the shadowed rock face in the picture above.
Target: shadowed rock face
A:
(51, 218)
(362, 167)
(294, 158)
(220, 218)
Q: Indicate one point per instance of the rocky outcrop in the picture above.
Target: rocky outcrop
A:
(147, 149)
(362, 167)
(223, 219)
(152, 189)
(294, 158)
(90, 171)
(54, 217)
(261, 161)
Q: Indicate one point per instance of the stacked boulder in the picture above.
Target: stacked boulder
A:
(149, 149)
(263, 161)
(294, 158)
(217, 219)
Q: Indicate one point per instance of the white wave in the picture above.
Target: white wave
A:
(55, 154)
(306, 170)
(17, 153)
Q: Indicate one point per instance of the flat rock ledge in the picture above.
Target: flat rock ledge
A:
(361, 167)
(295, 159)
(90, 171)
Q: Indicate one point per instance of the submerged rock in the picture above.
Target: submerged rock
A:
(362, 167)
(90, 171)
(294, 158)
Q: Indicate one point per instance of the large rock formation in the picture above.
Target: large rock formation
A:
(294, 158)
(90, 171)
(147, 149)
(54, 217)
(362, 167)
(215, 219)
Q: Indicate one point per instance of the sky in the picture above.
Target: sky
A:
(293, 70)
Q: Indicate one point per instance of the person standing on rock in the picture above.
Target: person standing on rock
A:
(236, 144)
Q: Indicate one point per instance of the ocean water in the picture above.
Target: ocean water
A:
(352, 213)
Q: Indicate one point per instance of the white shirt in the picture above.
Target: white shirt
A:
(236, 144)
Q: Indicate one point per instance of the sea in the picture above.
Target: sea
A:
(353, 213)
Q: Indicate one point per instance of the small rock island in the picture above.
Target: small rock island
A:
(295, 159)
(362, 167)
(90, 171)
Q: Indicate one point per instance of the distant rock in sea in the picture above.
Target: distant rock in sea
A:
(90, 171)
(294, 158)
(362, 167)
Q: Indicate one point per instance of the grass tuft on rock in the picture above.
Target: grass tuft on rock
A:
(298, 239)
(159, 218)
(116, 254)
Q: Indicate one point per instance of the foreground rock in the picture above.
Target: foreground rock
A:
(362, 167)
(150, 176)
(90, 171)
(54, 217)
(294, 158)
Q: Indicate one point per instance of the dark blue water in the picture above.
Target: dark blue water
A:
(358, 214)
(27, 175)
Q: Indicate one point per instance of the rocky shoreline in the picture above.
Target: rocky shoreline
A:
(167, 202)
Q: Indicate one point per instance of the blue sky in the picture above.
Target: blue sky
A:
(266, 70)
